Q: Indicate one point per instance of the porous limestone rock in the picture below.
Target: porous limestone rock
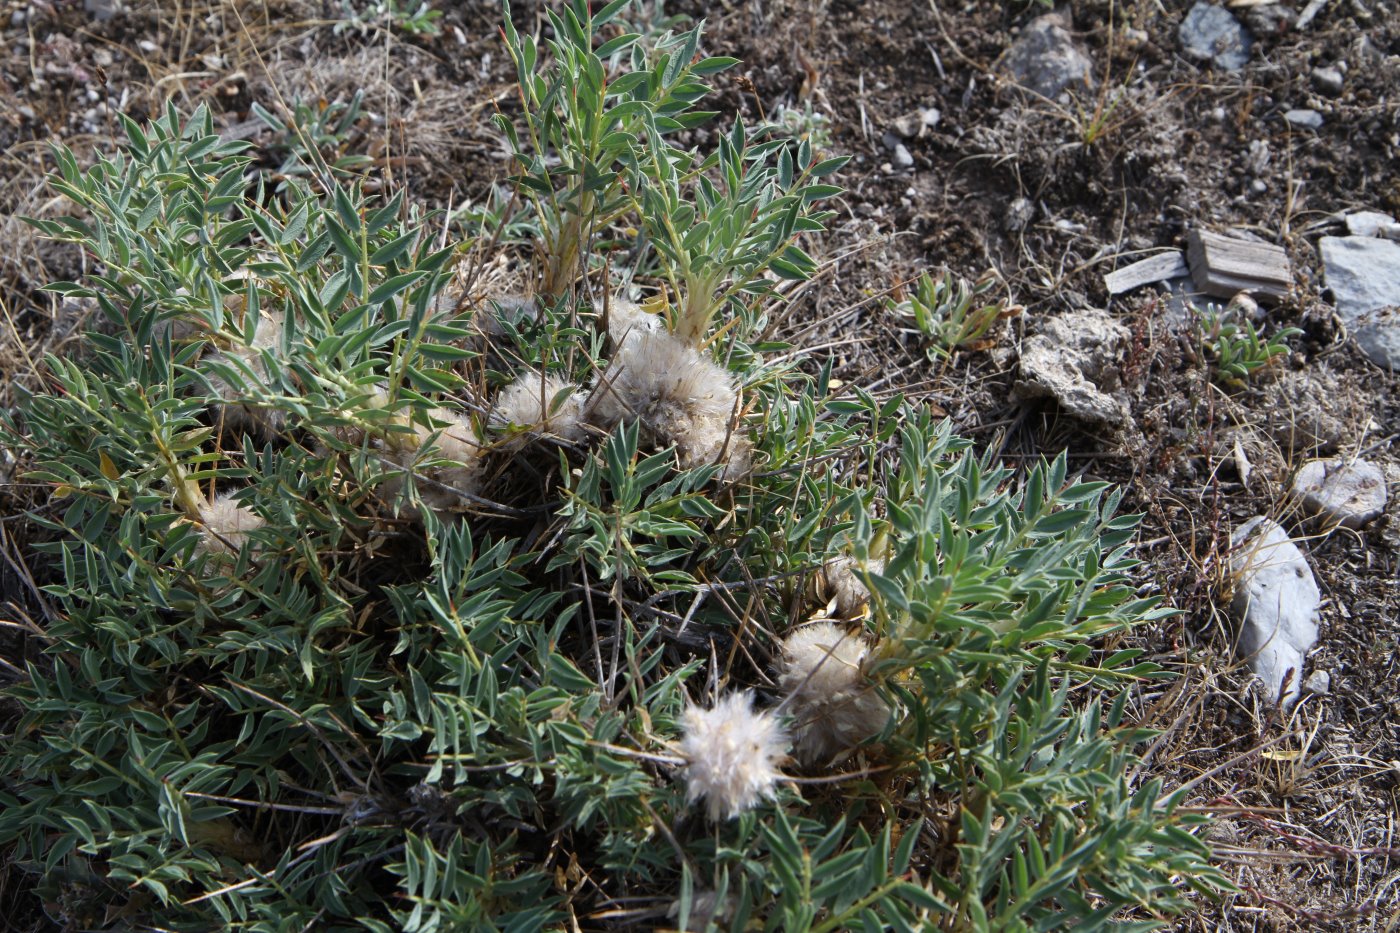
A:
(1075, 360)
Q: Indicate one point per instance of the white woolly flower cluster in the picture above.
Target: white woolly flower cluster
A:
(545, 404)
(732, 754)
(833, 706)
(225, 525)
(238, 416)
(675, 392)
(420, 449)
(706, 907)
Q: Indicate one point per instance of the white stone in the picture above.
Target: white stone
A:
(1368, 223)
(1364, 276)
(1346, 493)
(1307, 119)
(1328, 80)
(1318, 682)
(1276, 601)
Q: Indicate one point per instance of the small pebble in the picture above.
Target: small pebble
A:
(902, 158)
(1258, 186)
(1308, 119)
(1318, 682)
(1019, 214)
(1211, 33)
(1328, 80)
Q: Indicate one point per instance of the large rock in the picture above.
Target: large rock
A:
(1341, 492)
(1364, 276)
(1276, 601)
(1210, 33)
(1076, 361)
(1046, 59)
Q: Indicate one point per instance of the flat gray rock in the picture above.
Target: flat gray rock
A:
(1046, 60)
(1076, 361)
(1276, 602)
(1372, 223)
(1305, 118)
(1341, 492)
(1329, 81)
(1210, 33)
(1364, 276)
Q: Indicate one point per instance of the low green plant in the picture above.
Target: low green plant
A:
(806, 123)
(392, 661)
(595, 149)
(952, 313)
(314, 137)
(582, 124)
(1237, 349)
(420, 20)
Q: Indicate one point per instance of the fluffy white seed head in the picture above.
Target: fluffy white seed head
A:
(225, 525)
(832, 705)
(547, 404)
(706, 908)
(677, 393)
(239, 416)
(417, 452)
(732, 754)
(627, 317)
(710, 440)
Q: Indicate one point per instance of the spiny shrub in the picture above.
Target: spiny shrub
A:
(374, 606)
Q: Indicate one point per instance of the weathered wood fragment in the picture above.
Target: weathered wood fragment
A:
(1223, 266)
(1158, 268)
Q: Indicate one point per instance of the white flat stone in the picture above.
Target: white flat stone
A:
(1276, 601)
(1368, 223)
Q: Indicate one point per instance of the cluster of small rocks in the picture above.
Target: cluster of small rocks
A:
(1076, 357)
(1276, 597)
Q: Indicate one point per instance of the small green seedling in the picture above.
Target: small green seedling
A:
(952, 313)
(1237, 349)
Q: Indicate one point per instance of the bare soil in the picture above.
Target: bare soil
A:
(1051, 194)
